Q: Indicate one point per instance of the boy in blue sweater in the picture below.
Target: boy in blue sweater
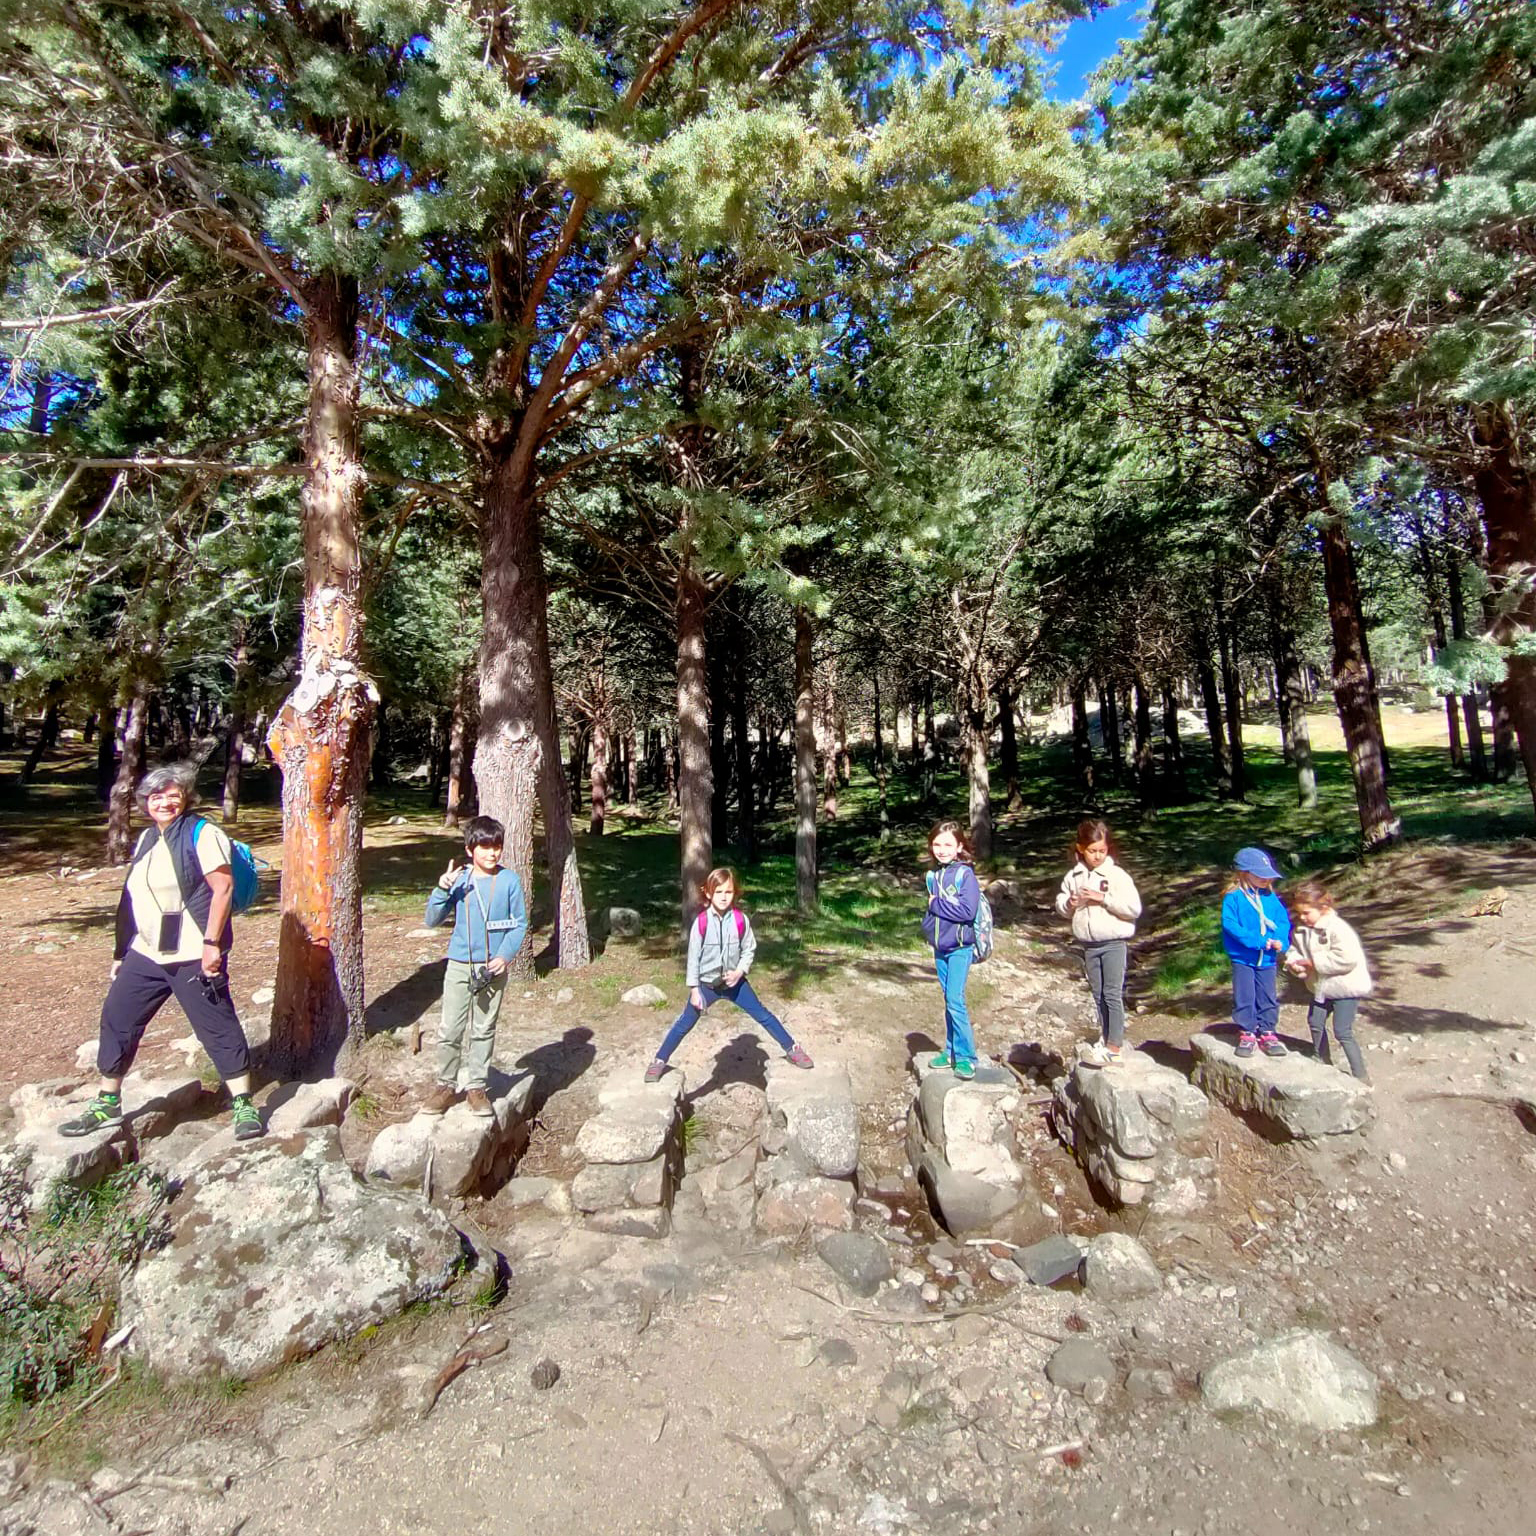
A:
(1255, 929)
(489, 925)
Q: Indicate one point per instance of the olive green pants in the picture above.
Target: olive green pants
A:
(474, 1016)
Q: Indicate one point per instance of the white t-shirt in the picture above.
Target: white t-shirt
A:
(152, 889)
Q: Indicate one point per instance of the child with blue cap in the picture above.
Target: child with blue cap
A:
(1255, 929)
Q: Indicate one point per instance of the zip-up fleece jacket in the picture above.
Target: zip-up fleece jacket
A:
(719, 950)
(1333, 950)
(954, 898)
(1116, 918)
(474, 939)
(1248, 920)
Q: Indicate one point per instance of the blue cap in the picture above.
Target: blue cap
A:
(1254, 861)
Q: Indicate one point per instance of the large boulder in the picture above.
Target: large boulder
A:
(816, 1115)
(1138, 1130)
(859, 1259)
(961, 1202)
(1296, 1096)
(278, 1248)
(459, 1153)
(796, 1206)
(1302, 1376)
(1117, 1267)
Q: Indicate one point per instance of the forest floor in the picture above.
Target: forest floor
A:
(711, 1384)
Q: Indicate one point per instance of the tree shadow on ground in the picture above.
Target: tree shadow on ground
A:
(1411, 1019)
(408, 999)
(742, 1060)
(557, 1064)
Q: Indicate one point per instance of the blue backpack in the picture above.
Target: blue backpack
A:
(245, 870)
(981, 929)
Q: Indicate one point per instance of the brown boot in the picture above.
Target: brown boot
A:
(479, 1102)
(442, 1098)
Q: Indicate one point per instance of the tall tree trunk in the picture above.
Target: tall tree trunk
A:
(741, 743)
(1082, 742)
(930, 746)
(576, 769)
(719, 640)
(805, 764)
(1175, 786)
(695, 779)
(1452, 714)
(1109, 731)
(379, 757)
(599, 776)
(106, 753)
(1455, 601)
(461, 752)
(47, 734)
(978, 777)
(1231, 687)
(1010, 747)
(437, 755)
(1352, 692)
(517, 756)
(1210, 697)
(881, 775)
(1290, 689)
(234, 757)
(130, 766)
(631, 769)
(1146, 768)
(320, 735)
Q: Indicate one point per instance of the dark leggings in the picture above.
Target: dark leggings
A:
(744, 998)
(1342, 1010)
(137, 994)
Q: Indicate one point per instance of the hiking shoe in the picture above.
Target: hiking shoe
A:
(246, 1119)
(103, 1113)
(442, 1098)
(943, 1062)
(1246, 1043)
(965, 1070)
(798, 1057)
(1271, 1046)
(656, 1071)
(1095, 1055)
(479, 1102)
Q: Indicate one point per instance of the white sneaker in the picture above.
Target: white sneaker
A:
(1095, 1055)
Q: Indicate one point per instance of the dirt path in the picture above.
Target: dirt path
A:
(709, 1384)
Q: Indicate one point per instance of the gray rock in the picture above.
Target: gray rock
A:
(625, 923)
(1303, 1376)
(797, 1205)
(278, 1248)
(469, 1155)
(633, 1133)
(645, 996)
(861, 1261)
(818, 1115)
(738, 1169)
(836, 1352)
(1077, 1363)
(1054, 1259)
(544, 1375)
(303, 1106)
(1116, 1266)
(962, 1202)
(654, 1221)
(1296, 1094)
(530, 1189)
(604, 1186)
(903, 1301)
(969, 1123)
(1146, 1383)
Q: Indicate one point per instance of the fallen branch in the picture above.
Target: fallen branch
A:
(990, 1309)
(465, 1360)
(100, 1391)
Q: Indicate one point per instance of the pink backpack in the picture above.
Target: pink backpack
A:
(736, 912)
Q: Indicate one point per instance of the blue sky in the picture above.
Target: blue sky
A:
(1088, 43)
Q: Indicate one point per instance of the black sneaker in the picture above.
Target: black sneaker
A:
(247, 1120)
(103, 1113)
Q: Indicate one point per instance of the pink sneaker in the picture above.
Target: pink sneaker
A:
(1246, 1043)
(798, 1058)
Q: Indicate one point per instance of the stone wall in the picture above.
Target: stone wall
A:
(633, 1152)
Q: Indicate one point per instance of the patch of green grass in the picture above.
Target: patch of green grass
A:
(690, 1134)
(365, 1106)
(1192, 957)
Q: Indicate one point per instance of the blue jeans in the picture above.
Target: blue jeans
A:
(953, 970)
(744, 998)
(1255, 1009)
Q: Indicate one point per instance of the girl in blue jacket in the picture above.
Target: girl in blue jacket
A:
(1255, 929)
(954, 898)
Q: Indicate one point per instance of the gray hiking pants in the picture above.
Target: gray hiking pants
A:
(464, 1014)
(1342, 1010)
(1104, 966)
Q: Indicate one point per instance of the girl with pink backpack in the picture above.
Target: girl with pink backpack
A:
(721, 947)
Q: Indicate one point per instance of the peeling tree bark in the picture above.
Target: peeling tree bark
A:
(320, 736)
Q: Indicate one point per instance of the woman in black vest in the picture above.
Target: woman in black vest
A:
(173, 939)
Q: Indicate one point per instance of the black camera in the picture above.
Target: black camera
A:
(481, 980)
(215, 986)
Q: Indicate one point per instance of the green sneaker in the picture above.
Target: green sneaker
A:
(965, 1070)
(247, 1119)
(943, 1062)
(103, 1113)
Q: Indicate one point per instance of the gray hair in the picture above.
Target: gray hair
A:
(182, 776)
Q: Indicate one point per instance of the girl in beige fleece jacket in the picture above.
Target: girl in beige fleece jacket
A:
(1101, 901)
(1325, 953)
